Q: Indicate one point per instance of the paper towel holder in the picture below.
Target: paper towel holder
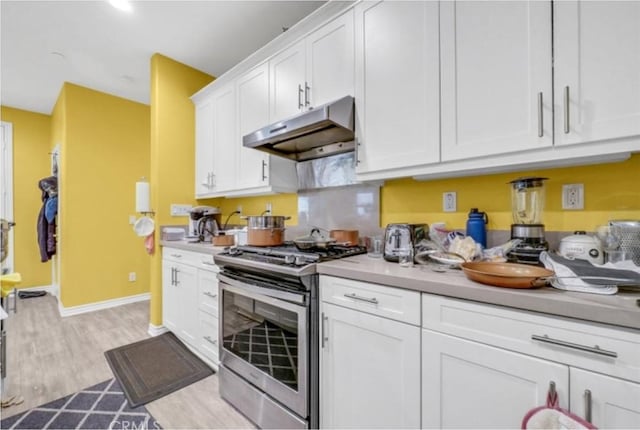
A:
(144, 197)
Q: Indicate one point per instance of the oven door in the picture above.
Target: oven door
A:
(264, 339)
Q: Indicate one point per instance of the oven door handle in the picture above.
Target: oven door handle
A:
(256, 292)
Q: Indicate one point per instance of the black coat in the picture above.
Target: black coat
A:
(47, 230)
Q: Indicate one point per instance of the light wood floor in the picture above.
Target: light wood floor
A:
(50, 357)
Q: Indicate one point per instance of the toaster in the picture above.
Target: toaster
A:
(402, 236)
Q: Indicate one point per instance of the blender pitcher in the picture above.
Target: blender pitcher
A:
(527, 200)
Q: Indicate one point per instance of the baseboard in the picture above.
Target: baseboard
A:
(156, 330)
(91, 307)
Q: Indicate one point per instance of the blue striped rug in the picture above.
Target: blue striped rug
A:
(102, 406)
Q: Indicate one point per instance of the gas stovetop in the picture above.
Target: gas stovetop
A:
(286, 258)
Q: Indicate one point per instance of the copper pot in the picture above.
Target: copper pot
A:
(223, 240)
(345, 236)
(265, 236)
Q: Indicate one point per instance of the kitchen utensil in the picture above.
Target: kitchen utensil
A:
(265, 230)
(527, 205)
(449, 258)
(223, 240)
(402, 236)
(628, 232)
(581, 246)
(313, 241)
(507, 275)
(350, 236)
(144, 226)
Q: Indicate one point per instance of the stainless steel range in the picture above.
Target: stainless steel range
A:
(269, 332)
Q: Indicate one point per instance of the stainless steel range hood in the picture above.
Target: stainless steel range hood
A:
(323, 131)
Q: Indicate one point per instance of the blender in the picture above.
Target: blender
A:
(527, 205)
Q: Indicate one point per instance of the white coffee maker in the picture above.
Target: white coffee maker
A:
(196, 214)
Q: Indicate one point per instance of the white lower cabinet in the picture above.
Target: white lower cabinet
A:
(485, 366)
(190, 301)
(612, 402)
(369, 367)
(468, 384)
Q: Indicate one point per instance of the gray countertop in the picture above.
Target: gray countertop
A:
(621, 309)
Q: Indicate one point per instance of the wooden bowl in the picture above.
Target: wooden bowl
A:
(223, 240)
(507, 275)
(345, 236)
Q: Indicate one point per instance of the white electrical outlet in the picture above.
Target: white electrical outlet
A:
(132, 276)
(449, 203)
(573, 196)
(180, 210)
(268, 208)
(239, 209)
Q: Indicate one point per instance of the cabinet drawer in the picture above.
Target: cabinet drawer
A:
(389, 302)
(606, 349)
(208, 292)
(182, 256)
(208, 341)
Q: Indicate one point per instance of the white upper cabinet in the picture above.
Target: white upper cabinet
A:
(204, 148)
(313, 71)
(496, 77)
(259, 172)
(225, 138)
(330, 62)
(287, 82)
(397, 85)
(597, 70)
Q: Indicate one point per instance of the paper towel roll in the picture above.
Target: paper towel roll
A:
(142, 197)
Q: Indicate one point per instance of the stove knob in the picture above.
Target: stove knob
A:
(300, 260)
(234, 250)
(289, 259)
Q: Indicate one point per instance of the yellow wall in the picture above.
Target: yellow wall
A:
(105, 150)
(281, 204)
(31, 162)
(611, 192)
(172, 151)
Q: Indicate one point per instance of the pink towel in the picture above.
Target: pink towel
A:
(150, 244)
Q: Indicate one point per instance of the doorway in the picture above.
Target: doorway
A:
(6, 188)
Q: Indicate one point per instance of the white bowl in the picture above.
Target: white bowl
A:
(144, 226)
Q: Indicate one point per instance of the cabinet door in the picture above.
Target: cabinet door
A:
(472, 385)
(330, 62)
(615, 403)
(496, 77)
(397, 84)
(286, 71)
(369, 371)
(171, 301)
(204, 148)
(186, 295)
(597, 68)
(208, 292)
(225, 139)
(253, 113)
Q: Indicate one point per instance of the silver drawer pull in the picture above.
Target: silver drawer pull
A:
(208, 294)
(208, 339)
(362, 299)
(594, 349)
(587, 405)
(208, 263)
(176, 255)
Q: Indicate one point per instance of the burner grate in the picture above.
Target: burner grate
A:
(270, 348)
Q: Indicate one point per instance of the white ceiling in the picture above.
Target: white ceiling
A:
(90, 43)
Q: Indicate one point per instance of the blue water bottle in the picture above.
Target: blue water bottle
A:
(476, 226)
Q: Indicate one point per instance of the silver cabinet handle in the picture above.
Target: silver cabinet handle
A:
(208, 294)
(357, 152)
(208, 263)
(594, 349)
(213, 180)
(362, 299)
(566, 110)
(324, 336)
(587, 405)
(173, 276)
(540, 116)
(211, 341)
(177, 282)
(300, 91)
(264, 166)
(307, 88)
(176, 255)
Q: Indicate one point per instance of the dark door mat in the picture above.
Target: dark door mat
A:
(102, 406)
(152, 368)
